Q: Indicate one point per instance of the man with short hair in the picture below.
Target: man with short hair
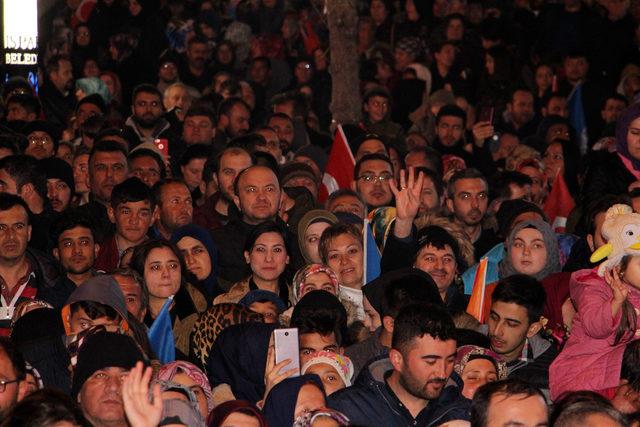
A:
(219, 207)
(348, 201)
(284, 127)
(521, 116)
(509, 185)
(104, 359)
(514, 326)
(174, 206)
(257, 193)
(76, 248)
(56, 96)
(377, 116)
(233, 121)
(23, 106)
(425, 157)
(145, 124)
(136, 294)
(612, 108)
(372, 174)
(132, 211)
(468, 201)
(146, 165)
(416, 385)
(509, 402)
(196, 72)
(199, 126)
(24, 176)
(13, 374)
(60, 183)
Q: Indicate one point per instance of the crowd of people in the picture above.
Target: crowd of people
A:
(167, 208)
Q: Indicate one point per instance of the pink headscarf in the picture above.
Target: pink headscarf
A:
(168, 371)
(301, 276)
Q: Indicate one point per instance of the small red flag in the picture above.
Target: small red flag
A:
(559, 204)
(339, 171)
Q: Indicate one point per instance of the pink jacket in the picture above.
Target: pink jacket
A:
(589, 360)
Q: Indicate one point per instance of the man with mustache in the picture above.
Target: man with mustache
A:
(196, 72)
(468, 200)
(60, 183)
(416, 385)
(175, 207)
(372, 174)
(146, 122)
(75, 248)
(514, 325)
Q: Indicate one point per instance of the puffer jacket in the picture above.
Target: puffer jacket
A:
(372, 403)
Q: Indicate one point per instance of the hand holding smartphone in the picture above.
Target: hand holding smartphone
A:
(286, 347)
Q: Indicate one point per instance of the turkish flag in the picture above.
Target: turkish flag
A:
(339, 171)
(559, 204)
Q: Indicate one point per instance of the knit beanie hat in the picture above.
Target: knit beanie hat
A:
(56, 168)
(104, 350)
(316, 154)
(342, 364)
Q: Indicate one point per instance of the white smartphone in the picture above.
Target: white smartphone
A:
(286, 346)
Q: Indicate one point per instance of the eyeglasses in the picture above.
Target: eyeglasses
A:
(3, 384)
(369, 177)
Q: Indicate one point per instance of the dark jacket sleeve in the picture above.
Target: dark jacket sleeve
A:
(606, 175)
(398, 253)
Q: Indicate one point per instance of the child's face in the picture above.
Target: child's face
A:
(80, 321)
(632, 272)
(330, 379)
(267, 309)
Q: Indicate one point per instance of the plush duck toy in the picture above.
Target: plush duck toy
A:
(621, 230)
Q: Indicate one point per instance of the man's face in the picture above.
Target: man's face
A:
(197, 130)
(470, 200)
(146, 169)
(106, 170)
(258, 195)
(508, 329)
(373, 183)
(347, 203)
(449, 130)
(447, 56)
(176, 208)
(312, 342)
(198, 55)
(63, 78)
(517, 410)
(272, 143)
(259, 72)
(377, 108)
(85, 111)
(440, 264)
(402, 59)
(132, 295)
(168, 72)
(370, 146)
(15, 233)
(77, 250)
(59, 194)
(147, 109)
(40, 146)
(16, 111)
(231, 165)
(558, 106)
(132, 220)
(7, 183)
(521, 107)
(576, 69)
(101, 397)
(9, 398)
(424, 366)
(284, 130)
(612, 110)
(429, 197)
(192, 172)
(178, 97)
(237, 121)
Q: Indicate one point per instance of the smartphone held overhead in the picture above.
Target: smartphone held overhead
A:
(286, 347)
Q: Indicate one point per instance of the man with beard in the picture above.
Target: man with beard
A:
(146, 122)
(25, 274)
(468, 201)
(257, 193)
(175, 207)
(60, 183)
(219, 207)
(56, 96)
(195, 73)
(76, 248)
(372, 174)
(521, 116)
(416, 384)
(233, 121)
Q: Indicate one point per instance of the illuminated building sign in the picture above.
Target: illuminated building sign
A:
(20, 35)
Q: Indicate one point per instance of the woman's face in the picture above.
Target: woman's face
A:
(319, 281)
(632, 272)
(633, 138)
(312, 239)
(553, 160)
(345, 257)
(192, 173)
(528, 252)
(477, 373)
(196, 256)
(268, 257)
(162, 272)
(186, 380)
(310, 398)
(544, 77)
(330, 378)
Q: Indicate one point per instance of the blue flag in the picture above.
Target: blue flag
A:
(577, 118)
(161, 335)
(372, 256)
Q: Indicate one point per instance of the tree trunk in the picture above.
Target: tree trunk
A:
(346, 105)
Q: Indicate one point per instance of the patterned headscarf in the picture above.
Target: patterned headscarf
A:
(211, 323)
(467, 353)
(342, 364)
(168, 371)
(301, 276)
